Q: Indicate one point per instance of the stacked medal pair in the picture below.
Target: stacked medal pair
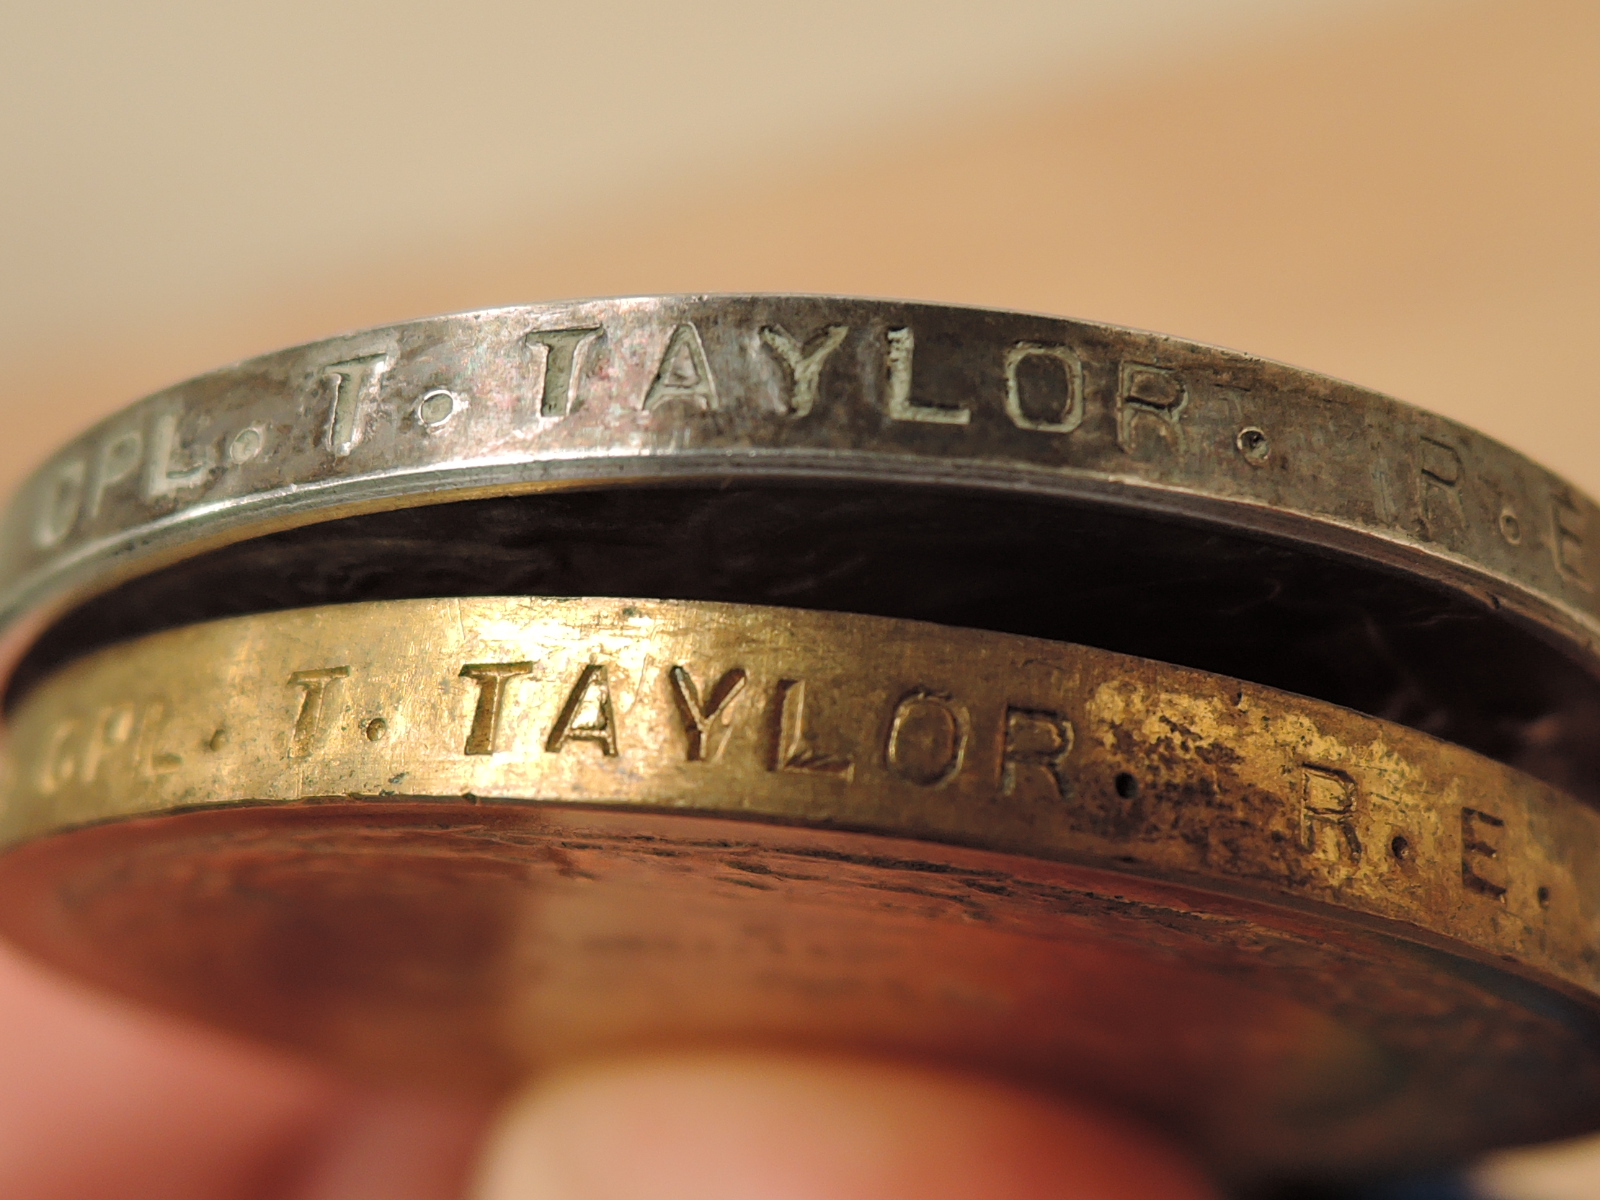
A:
(1126, 716)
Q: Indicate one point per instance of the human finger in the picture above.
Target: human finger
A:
(734, 1126)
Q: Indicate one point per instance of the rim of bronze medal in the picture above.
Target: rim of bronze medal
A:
(450, 841)
(975, 467)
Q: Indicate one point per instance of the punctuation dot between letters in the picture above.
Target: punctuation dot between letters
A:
(436, 408)
(245, 444)
(1253, 444)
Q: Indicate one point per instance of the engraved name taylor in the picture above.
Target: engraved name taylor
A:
(145, 465)
(924, 738)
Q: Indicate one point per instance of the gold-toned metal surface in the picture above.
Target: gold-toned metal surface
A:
(895, 727)
(451, 840)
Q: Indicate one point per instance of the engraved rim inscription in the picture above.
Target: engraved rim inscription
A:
(607, 391)
(900, 728)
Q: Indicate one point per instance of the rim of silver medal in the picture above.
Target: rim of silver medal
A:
(717, 390)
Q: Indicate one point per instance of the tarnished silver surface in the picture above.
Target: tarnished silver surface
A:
(728, 388)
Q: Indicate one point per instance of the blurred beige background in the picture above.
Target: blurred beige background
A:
(1405, 193)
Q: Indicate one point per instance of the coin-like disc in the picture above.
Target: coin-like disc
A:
(729, 388)
(451, 841)
(1342, 630)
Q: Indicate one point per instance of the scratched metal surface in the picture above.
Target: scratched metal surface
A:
(460, 946)
(728, 388)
